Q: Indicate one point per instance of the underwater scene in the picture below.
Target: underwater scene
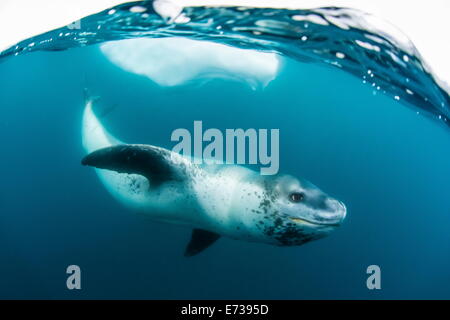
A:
(223, 153)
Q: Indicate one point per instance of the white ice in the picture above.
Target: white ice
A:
(174, 61)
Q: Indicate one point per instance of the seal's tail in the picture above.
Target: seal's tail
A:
(88, 97)
(94, 135)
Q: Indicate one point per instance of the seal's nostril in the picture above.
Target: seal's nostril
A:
(335, 211)
(343, 210)
(333, 205)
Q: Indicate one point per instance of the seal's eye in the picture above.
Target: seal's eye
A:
(296, 197)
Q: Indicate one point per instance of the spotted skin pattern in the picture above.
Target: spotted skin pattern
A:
(228, 200)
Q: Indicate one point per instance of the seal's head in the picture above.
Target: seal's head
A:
(296, 211)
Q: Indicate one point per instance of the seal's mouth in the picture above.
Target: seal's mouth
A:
(324, 224)
(331, 214)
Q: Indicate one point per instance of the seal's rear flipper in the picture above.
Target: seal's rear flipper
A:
(150, 162)
(88, 97)
(200, 240)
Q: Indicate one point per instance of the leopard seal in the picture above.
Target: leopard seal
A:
(215, 200)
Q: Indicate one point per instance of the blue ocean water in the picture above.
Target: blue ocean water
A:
(386, 162)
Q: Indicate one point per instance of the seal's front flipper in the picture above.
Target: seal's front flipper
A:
(200, 240)
(150, 162)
